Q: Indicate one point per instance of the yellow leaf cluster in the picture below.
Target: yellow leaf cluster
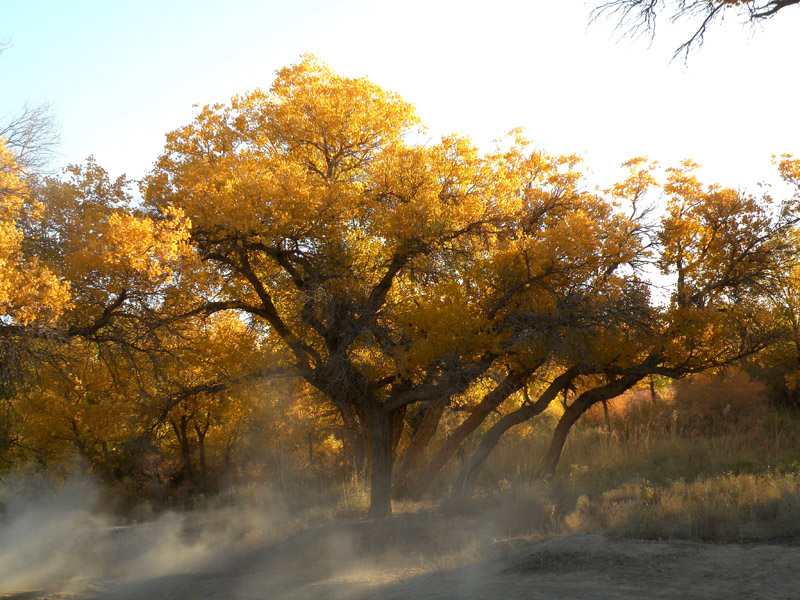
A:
(29, 291)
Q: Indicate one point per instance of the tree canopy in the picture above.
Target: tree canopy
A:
(410, 296)
(398, 274)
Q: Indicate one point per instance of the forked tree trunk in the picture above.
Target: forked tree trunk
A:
(180, 428)
(201, 448)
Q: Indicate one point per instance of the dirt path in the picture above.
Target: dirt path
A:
(409, 558)
(591, 566)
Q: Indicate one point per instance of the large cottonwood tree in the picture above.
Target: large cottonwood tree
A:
(308, 230)
(394, 273)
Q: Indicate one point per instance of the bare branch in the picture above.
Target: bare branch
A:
(33, 134)
(636, 16)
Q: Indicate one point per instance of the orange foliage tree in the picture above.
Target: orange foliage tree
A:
(398, 276)
(307, 231)
(81, 268)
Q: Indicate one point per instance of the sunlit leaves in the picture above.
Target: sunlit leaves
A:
(29, 291)
(307, 229)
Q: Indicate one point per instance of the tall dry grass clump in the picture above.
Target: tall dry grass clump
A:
(706, 459)
(724, 508)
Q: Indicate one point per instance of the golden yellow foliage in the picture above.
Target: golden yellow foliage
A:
(305, 228)
(29, 292)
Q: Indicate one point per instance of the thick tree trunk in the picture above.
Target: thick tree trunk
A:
(181, 433)
(416, 447)
(381, 430)
(201, 448)
(512, 383)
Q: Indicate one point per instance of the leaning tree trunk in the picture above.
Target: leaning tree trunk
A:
(575, 410)
(465, 484)
(416, 447)
(512, 383)
(398, 421)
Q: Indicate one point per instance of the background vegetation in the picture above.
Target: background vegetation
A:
(302, 293)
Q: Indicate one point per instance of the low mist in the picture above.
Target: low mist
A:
(60, 539)
(57, 537)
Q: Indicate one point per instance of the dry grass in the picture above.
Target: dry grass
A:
(353, 496)
(705, 463)
(708, 460)
(726, 508)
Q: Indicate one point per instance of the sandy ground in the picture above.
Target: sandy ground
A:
(413, 557)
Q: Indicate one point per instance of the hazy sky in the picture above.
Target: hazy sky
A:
(120, 74)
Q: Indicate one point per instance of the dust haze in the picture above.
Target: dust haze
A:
(58, 538)
(58, 541)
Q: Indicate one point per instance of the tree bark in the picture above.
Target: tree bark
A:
(465, 484)
(381, 430)
(416, 447)
(574, 412)
(510, 384)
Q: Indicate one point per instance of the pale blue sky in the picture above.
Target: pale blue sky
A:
(120, 74)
